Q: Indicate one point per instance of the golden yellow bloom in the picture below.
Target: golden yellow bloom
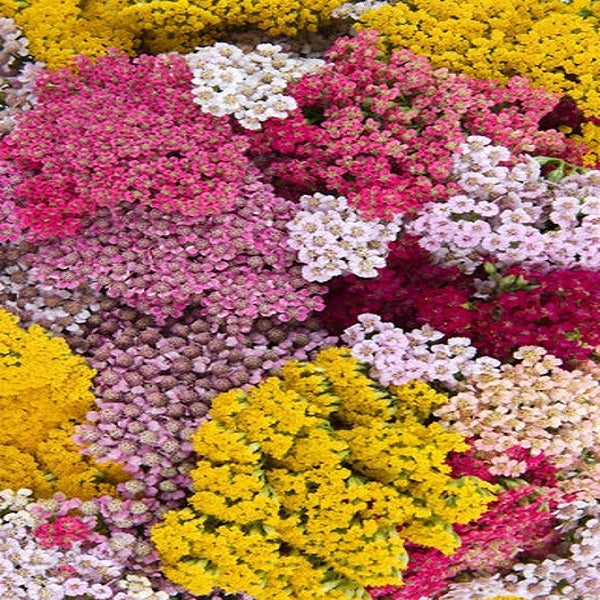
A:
(304, 480)
(551, 42)
(60, 29)
(44, 390)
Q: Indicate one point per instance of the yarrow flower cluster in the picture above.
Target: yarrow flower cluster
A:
(17, 75)
(120, 131)
(249, 85)
(533, 404)
(333, 239)
(231, 266)
(548, 41)
(569, 573)
(61, 311)
(50, 551)
(512, 214)
(383, 132)
(397, 357)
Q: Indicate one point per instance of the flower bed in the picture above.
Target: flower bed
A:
(299, 300)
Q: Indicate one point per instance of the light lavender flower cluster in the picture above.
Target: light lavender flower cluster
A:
(63, 312)
(333, 239)
(510, 212)
(397, 357)
(17, 76)
(246, 83)
(571, 573)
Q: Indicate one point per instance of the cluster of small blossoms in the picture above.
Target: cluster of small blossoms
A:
(397, 357)
(383, 133)
(249, 84)
(512, 214)
(230, 266)
(570, 572)
(51, 550)
(155, 385)
(309, 474)
(64, 312)
(354, 10)
(534, 404)
(17, 75)
(333, 239)
(551, 42)
(519, 523)
(120, 130)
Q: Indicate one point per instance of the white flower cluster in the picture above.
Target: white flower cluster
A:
(354, 10)
(17, 78)
(573, 573)
(247, 84)
(333, 239)
(138, 587)
(512, 214)
(397, 357)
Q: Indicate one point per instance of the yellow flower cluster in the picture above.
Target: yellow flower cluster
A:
(311, 482)
(59, 29)
(551, 42)
(44, 392)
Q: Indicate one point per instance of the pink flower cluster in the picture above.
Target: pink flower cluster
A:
(230, 266)
(63, 532)
(383, 134)
(512, 214)
(517, 524)
(571, 570)
(120, 131)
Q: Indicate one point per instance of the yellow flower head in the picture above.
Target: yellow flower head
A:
(304, 480)
(44, 390)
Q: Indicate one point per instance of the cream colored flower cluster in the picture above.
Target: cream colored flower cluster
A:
(534, 404)
(247, 84)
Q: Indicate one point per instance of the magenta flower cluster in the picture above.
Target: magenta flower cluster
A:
(120, 131)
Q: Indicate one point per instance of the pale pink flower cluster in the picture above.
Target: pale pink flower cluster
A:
(247, 83)
(17, 75)
(236, 264)
(397, 357)
(333, 239)
(533, 404)
(511, 213)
